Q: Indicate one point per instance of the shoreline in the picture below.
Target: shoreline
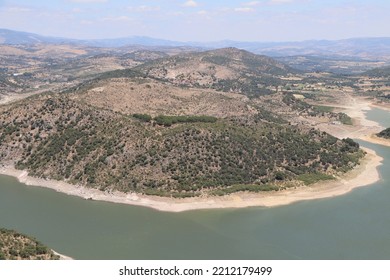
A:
(362, 175)
(377, 140)
(62, 257)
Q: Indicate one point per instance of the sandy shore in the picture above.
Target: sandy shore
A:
(377, 140)
(362, 129)
(62, 257)
(356, 108)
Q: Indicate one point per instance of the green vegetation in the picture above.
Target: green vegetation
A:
(170, 120)
(143, 117)
(264, 115)
(16, 246)
(245, 188)
(249, 74)
(383, 72)
(304, 108)
(253, 87)
(312, 178)
(122, 73)
(345, 119)
(385, 133)
(323, 109)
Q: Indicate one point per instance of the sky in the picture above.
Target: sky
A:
(200, 20)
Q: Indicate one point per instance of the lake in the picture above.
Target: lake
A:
(352, 226)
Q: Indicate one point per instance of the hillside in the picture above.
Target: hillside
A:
(12, 37)
(383, 72)
(228, 70)
(56, 137)
(129, 92)
(16, 246)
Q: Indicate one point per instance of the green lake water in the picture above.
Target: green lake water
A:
(352, 226)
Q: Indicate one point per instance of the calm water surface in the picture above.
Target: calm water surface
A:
(353, 226)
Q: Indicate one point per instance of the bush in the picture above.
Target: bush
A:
(312, 178)
(170, 120)
(143, 117)
(385, 133)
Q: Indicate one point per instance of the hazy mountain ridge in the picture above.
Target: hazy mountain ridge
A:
(365, 48)
(12, 37)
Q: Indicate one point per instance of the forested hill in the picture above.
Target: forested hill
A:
(16, 246)
(54, 137)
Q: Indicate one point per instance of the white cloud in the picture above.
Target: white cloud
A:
(88, 1)
(202, 12)
(119, 18)
(252, 3)
(244, 10)
(86, 22)
(144, 8)
(18, 9)
(176, 13)
(280, 1)
(190, 3)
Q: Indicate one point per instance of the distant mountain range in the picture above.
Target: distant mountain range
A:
(363, 48)
(12, 37)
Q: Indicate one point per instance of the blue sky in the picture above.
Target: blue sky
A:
(200, 20)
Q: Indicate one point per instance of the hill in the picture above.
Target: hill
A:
(16, 246)
(57, 137)
(385, 133)
(131, 92)
(383, 72)
(228, 70)
(354, 48)
(12, 37)
(363, 48)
